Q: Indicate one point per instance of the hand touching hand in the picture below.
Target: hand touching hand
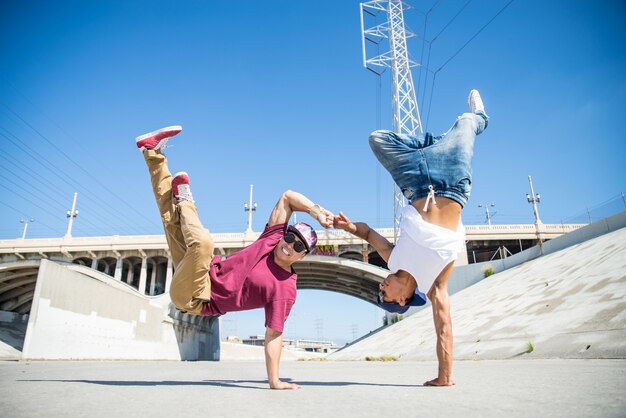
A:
(325, 218)
(341, 221)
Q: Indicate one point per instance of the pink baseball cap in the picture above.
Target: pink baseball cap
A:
(306, 234)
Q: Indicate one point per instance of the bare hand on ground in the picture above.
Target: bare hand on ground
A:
(280, 385)
(438, 382)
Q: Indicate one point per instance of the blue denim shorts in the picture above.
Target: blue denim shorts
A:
(444, 161)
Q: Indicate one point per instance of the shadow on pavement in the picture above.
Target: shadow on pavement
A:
(243, 384)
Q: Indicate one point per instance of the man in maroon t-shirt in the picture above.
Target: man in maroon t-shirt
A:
(259, 276)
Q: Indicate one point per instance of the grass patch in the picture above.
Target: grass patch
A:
(530, 347)
(381, 358)
(488, 271)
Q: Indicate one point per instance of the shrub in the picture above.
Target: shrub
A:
(488, 271)
(381, 358)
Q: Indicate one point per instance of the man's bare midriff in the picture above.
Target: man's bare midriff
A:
(446, 213)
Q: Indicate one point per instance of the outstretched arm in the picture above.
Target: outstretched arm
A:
(291, 201)
(363, 231)
(440, 300)
(273, 350)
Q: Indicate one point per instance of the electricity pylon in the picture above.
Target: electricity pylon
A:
(406, 117)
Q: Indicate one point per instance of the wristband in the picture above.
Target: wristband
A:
(315, 211)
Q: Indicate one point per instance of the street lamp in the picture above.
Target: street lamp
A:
(71, 214)
(487, 206)
(534, 199)
(25, 222)
(251, 207)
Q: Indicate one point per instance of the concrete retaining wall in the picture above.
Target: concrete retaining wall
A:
(79, 313)
(465, 276)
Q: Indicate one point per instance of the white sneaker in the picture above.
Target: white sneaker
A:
(475, 103)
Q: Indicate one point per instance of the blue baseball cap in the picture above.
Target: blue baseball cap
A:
(418, 299)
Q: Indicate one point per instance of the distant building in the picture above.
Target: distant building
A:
(303, 345)
(233, 339)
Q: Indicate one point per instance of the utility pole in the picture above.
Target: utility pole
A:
(319, 327)
(534, 199)
(406, 117)
(487, 206)
(250, 207)
(25, 222)
(71, 214)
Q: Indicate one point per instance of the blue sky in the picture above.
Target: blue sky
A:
(274, 93)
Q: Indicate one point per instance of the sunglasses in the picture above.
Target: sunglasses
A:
(290, 238)
(381, 297)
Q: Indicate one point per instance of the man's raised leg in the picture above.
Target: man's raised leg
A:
(191, 284)
(152, 144)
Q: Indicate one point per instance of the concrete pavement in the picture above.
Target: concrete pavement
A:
(511, 388)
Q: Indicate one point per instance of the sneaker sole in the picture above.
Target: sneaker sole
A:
(469, 102)
(177, 128)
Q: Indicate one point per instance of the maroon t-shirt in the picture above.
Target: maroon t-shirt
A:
(251, 279)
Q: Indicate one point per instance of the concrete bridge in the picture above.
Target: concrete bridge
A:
(340, 262)
(108, 295)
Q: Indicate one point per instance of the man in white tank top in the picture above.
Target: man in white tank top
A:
(435, 175)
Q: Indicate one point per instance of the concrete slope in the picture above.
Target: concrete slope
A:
(569, 304)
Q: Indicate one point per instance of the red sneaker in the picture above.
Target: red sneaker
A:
(180, 187)
(156, 140)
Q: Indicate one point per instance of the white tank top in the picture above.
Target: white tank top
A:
(424, 249)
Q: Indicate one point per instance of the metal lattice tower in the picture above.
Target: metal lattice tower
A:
(406, 117)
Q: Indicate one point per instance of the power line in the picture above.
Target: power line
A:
(430, 44)
(62, 205)
(57, 171)
(474, 36)
(71, 160)
(26, 199)
(458, 51)
(53, 170)
(36, 188)
(23, 214)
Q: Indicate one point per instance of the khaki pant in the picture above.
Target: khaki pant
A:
(190, 244)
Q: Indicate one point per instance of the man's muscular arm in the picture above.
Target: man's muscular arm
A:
(273, 350)
(440, 300)
(362, 230)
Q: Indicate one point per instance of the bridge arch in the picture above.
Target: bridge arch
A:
(83, 261)
(131, 271)
(107, 265)
(156, 275)
(352, 255)
(342, 275)
(18, 281)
